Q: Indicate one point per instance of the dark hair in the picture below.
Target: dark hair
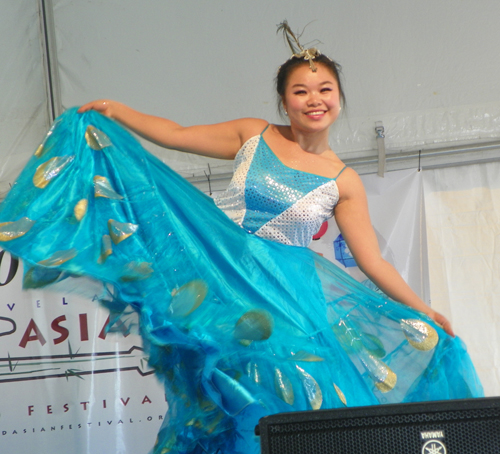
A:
(289, 66)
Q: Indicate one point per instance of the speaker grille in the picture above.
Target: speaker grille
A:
(468, 431)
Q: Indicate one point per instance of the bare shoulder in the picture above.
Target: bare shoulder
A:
(250, 127)
(350, 185)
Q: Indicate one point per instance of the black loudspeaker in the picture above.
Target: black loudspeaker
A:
(470, 426)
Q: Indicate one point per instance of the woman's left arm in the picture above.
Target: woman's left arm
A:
(353, 220)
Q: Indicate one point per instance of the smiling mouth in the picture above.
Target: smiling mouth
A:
(315, 113)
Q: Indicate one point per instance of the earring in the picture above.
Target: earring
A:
(286, 113)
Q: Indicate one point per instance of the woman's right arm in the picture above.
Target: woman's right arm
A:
(353, 219)
(221, 140)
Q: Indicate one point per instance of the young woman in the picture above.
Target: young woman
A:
(312, 102)
(240, 319)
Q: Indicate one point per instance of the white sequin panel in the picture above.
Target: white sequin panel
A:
(297, 225)
(232, 200)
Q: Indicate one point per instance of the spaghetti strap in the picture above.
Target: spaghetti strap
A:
(264, 130)
(338, 175)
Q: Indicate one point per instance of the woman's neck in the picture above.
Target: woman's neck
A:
(315, 142)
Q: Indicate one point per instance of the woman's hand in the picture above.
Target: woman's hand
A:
(442, 321)
(104, 106)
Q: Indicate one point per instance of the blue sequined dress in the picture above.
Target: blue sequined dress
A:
(239, 318)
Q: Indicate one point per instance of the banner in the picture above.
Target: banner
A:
(67, 384)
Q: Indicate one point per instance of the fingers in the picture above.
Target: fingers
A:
(102, 106)
(448, 329)
(444, 323)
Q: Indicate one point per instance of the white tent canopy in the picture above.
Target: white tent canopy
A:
(422, 69)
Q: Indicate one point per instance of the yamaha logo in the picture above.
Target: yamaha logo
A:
(434, 447)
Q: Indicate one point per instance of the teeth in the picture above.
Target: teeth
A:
(319, 112)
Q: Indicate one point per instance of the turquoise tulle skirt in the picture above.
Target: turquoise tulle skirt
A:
(236, 326)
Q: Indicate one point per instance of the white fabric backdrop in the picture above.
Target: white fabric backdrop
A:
(463, 230)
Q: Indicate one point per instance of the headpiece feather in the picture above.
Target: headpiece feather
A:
(295, 46)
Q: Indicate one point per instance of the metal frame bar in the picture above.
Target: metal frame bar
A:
(49, 55)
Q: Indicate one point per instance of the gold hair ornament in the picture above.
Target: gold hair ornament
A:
(297, 49)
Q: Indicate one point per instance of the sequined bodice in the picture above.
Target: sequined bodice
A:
(274, 201)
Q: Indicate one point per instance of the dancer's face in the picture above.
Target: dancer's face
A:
(312, 99)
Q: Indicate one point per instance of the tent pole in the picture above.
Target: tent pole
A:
(49, 55)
